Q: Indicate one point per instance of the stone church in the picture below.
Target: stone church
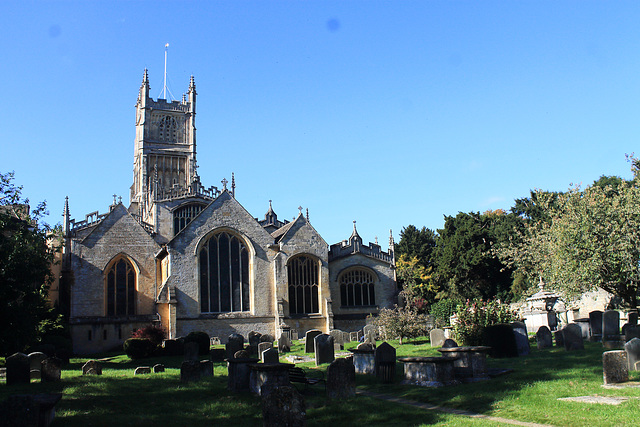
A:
(193, 259)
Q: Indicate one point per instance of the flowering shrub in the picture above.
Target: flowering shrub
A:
(401, 322)
(154, 333)
(442, 311)
(475, 316)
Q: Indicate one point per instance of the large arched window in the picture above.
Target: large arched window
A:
(357, 288)
(303, 285)
(183, 216)
(120, 288)
(224, 274)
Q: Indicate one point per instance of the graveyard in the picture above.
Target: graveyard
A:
(531, 388)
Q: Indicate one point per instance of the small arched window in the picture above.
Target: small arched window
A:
(224, 274)
(183, 216)
(120, 288)
(303, 285)
(167, 129)
(357, 288)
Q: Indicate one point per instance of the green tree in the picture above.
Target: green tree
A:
(418, 243)
(419, 288)
(25, 274)
(592, 239)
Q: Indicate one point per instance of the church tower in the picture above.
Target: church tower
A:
(165, 147)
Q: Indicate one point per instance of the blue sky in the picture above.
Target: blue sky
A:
(386, 112)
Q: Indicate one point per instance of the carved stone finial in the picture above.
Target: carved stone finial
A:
(307, 214)
(300, 209)
(224, 183)
(114, 199)
(119, 199)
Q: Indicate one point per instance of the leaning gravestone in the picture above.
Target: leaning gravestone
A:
(270, 355)
(254, 338)
(572, 337)
(191, 349)
(341, 379)
(633, 353)
(142, 370)
(308, 340)
(611, 325)
(264, 346)
(449, 343)
(338, 337)
(51, 370)
(522, 339)
(234, 344)
(615, 368)
(436, 337)
(385, 362)
(18, 369)
(284, 343)
(544, 339)
(157, 368)
(595, 322)
(632, 331)
(92, 367)
(324, 350)
(284, 406)
(501, 339)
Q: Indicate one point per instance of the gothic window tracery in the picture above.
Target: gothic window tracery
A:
(357, 288)
(224, 274)
(303, 274)
(120, 279)
(183, 216)
(168, 129)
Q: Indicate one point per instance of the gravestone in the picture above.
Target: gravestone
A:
(141, 370)
(270, 355)
(436, 336)
(370, 335)
(501, 339)
(595, 322)
(611, 325)
(632, 331)
(18, 369)
(544, 339)
(264, 346)
(157, 368)
(632, 317)
(267, 338)
(191, 349)
(214, 341)
(559, 336)
(353, 336)
(234, 344)
(324, 350)
(308, 340)
(254, 338)
(615, 368)
(252, 350)
(338, 337)
(190, 371)
(633, 353)
(341, 379)
(206, 368)
(35, 360)
(522, 338)
(242, 354)
(365, 346)
(51, 370)
(385, 362)
(92, 367)
(572, 337)
(217, 354)
(284, 343)
(172, 347)
(284, 406)
(448, 343)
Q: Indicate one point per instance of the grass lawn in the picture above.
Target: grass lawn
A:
(529, 393)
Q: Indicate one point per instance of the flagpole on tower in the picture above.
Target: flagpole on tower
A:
(164, 88)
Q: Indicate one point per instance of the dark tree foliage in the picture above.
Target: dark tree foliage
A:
(418, 243)
(25, 274)
(466, 266)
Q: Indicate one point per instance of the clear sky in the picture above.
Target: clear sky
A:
(386, 112)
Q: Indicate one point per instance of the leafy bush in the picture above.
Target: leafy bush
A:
(202, 338)
(473, 317)
(155, 333)
(442, 311)
(401, 322)
(139, 348)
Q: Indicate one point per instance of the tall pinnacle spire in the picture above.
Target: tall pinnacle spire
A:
(66, 222)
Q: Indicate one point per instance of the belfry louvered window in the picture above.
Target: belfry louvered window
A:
(224, 274)
(357, 288)
(167, 129)
(303, 285)
(121, 288)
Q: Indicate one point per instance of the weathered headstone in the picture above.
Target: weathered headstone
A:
(242, 354)
(633, 353)
(191, 349)
(595, 322)
(141, 370)
(234, 344)
(308, 340)
(254, 338)
(324, 350)
(611, 325)
(632, 331)
(283, 406)
(270, 355)
(353, 336)
(338, 337)
(559, 336)
(284, 343)
(448, 343)
(365, 346)
(385, 362)
(267, 338)
(206, 368)
(157, 368)
(172, 347)
(544, 339)
(92, 367)
(341, 379)
(214, 341)
(632, 317)
(522, 338)
(264, 346)
(18, 369)
(190, 371)
(217, 354)
(51, 370)
(35, 360)
(501, 339)
(615, 368)
(436, 336)
(572, 337)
